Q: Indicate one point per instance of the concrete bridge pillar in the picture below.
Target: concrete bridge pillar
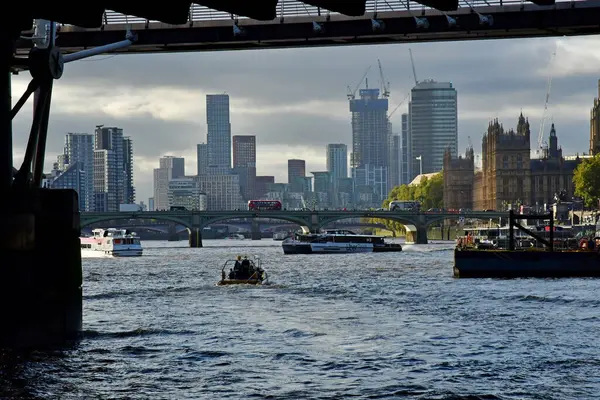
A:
(173, 236)
(40, 275)
(418, 235)
(255, 230)
(195, 237)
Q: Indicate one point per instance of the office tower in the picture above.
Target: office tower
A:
(129, 192)
(169, 168)
(109, 168)
(202, 158)
(218, 136)
(433, 125)
(370, 139)
(244, 163)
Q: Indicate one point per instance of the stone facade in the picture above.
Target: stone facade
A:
(508, 176)
(458, 180)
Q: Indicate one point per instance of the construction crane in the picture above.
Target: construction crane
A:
(548, 89)
(412, 62)
(385, 88)
(352, 93)
(398, 106)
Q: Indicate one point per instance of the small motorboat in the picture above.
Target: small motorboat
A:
(243, 271)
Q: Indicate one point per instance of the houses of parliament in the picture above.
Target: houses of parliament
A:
(508, 175)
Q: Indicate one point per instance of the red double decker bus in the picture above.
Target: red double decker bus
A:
(264, 205)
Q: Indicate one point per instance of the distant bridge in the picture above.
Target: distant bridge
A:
(268, 226)
(296, 24)
(416, 224)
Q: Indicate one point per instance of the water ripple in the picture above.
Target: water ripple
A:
(366, 326)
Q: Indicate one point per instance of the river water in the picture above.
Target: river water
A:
(366, 326)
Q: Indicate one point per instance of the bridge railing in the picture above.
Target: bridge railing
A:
(293, 8)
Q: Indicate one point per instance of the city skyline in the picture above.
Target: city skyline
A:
(295, 104)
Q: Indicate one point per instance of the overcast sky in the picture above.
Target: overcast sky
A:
(294, 100)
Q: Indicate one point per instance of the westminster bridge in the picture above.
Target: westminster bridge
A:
(416, 223)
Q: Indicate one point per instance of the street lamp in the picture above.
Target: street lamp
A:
(420, 158)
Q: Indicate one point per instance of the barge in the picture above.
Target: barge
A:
(471, 262)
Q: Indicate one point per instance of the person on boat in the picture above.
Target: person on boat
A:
(591, 244)
(583, 244)
(245, 268)
(236, 268)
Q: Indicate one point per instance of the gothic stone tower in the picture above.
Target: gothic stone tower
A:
(506, 165)
(458, 180)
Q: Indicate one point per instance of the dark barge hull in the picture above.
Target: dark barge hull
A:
(525, 264)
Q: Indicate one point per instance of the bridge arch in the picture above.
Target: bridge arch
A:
(295, 220)
(432, 218)
(167, 218)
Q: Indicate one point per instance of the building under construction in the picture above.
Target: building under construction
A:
(370, 141)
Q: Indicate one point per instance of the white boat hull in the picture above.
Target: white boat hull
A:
(295, 247)
(89, 253)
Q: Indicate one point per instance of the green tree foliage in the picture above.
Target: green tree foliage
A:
(587, 181)
(429, 192)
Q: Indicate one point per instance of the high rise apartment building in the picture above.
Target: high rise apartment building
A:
(244, 163)
(202, 158)
(406, 152)
(337, 160)
(218, 136)
(129, 190)
(109, 158)
(169, 168)
(296, 175)
(79, 149)
(433, 123)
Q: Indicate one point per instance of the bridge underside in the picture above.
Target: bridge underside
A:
(509, 21)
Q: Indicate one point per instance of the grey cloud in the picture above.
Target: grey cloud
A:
(152, 137)
(489, 76)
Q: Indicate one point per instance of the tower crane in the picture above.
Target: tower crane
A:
(412, 62)
(398, 106)
(385, 88)
(548, 89)
(352, 93)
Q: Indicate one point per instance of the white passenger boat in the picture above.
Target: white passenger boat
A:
(111, 242)
(336, 241)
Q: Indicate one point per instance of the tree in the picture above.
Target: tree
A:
(429, 192)
(587, 180)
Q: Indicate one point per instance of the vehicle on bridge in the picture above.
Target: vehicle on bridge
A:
(404, 205)
(337, 242)
(264, 205)
(246, 271)
(111, 242)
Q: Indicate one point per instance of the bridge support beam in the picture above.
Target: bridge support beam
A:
(40, 276)
(417, 235)
(255, 230)
(195, 237)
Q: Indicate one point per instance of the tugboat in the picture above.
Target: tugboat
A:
(243, 271)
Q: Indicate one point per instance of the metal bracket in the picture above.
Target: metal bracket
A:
(46, 65)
